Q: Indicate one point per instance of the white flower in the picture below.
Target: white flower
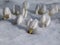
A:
(58, 7)
(20, 19)
(25, 7)
(13, 10)
(7, 13)
(29, 22)
(37, 9)
(25, 4)
(16, 9)
(33, 23)
(54, 9)
(40, 9)
(45, 20)
(44, 8)
(25, 12)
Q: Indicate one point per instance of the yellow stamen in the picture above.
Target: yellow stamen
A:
(40, 12)
(6, 16)
(30, 31)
